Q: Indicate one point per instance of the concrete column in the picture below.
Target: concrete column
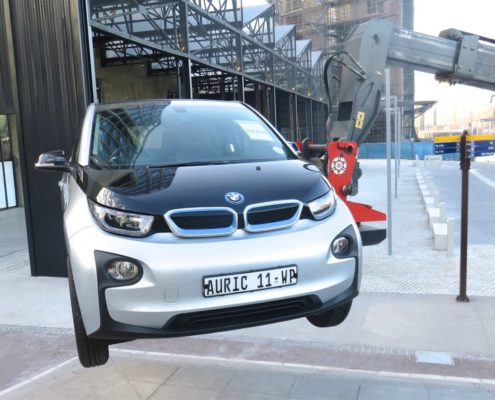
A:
(274, 105)
(311, 127)
(295, 117)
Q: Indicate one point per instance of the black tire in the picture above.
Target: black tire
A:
(91, 352)
(332, 317)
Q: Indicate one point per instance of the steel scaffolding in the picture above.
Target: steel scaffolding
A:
(216, 35)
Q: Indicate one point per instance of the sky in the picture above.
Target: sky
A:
(433, 16)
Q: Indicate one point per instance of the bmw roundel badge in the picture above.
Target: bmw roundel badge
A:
(234, 198)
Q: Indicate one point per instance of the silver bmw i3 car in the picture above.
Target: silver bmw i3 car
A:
(186, 217)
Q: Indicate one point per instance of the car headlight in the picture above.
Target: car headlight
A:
(120, 222)
(323, 206)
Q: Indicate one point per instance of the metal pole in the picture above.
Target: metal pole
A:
(241, 83)
(2, 164)
(94, 88)
(190, 89)
(178, 83)
(396, 129)
(311, 127)
(389, 157)
(296, 117)
(401, 110)
(275, 107)
(465, 166)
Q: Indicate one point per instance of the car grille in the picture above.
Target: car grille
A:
(203, 220)
(221, 221)
(273, 215)
(230, 318)
(196, 222)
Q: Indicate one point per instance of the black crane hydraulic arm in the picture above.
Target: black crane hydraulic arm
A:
(455, 57)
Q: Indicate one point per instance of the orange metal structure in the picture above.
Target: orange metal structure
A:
(341, 162)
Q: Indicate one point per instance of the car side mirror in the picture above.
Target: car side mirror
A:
(53, 161)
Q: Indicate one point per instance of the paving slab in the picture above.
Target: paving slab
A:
(466, 392)
(12, 231)
(320, 386)
(383, 390)
(23, 353)
(180, 393)
(201, 378)
(246, 381)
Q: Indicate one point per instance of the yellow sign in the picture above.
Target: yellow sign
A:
(447, 139)
(484, 136)
(360, 119)
(457, 138)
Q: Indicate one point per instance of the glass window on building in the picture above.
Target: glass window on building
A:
(294, 19)
(375, 6)
(295, 4)
(344, 13)
(7, 181)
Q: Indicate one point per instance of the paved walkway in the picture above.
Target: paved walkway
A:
(154, 376)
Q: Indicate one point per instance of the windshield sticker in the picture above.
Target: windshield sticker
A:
(255, 130)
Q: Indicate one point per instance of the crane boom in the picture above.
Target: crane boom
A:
(455, 57)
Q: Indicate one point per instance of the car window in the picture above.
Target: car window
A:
(171, 133)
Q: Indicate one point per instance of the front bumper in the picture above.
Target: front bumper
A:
(168, 300)
(224, 319)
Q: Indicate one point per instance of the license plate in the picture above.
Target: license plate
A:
(252, 281)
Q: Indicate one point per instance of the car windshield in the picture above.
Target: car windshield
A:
(181, 133)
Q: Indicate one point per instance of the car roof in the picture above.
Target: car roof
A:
(185, 102)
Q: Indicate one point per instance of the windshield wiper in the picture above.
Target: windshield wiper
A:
(189, 164)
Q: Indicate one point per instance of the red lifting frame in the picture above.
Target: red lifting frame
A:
(341, 161)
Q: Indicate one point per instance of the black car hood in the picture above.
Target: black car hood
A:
(158, 190)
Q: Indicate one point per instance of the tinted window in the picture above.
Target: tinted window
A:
(170, 133)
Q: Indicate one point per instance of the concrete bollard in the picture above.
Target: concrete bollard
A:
(450, 236)
(436, 198)
(440, 236)
(436, 215)
(429, 202)
(441, 209)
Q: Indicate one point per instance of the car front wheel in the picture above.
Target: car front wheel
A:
(91, 352)
(332, 317)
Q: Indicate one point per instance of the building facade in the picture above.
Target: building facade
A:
(58, 56)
